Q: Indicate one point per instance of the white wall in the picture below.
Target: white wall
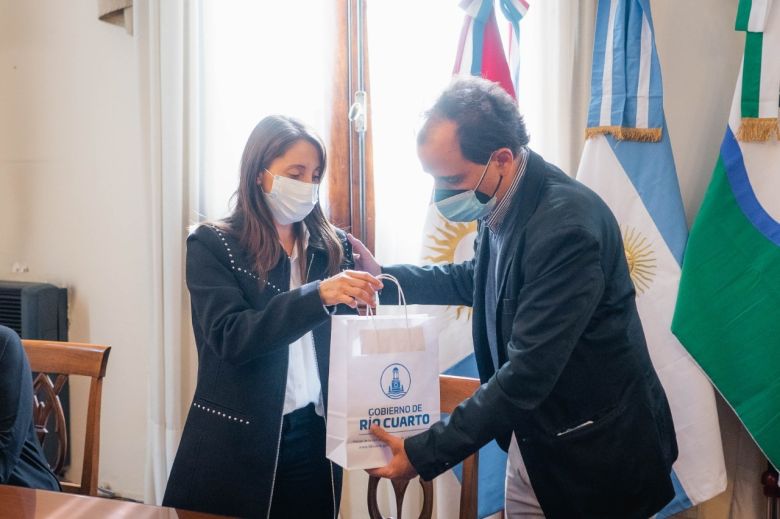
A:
(700, 53)
(74, 200)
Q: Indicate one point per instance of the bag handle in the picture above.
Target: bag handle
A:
(401, 302)
(393, 279)
(401, 296)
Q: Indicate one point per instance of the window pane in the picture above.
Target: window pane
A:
(411, 49)
(259, 58)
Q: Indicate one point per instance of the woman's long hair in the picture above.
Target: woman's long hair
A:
(251, 220)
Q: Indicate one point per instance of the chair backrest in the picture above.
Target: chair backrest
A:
(50, 358)
(453, 390)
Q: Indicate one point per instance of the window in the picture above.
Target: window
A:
(258, 59)
(411, 52)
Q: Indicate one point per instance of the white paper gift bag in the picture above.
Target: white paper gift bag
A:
(384, 371)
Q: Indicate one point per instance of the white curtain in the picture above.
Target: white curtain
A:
(556, 52)
(168, 58)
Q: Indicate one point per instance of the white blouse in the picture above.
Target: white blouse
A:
(303, 379)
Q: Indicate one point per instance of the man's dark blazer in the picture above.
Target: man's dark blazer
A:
(22, 462)
(575, 383)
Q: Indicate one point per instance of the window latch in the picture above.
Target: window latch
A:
(357, 112)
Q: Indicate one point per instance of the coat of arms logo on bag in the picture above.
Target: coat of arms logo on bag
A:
(396, 381)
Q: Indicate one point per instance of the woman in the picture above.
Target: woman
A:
(263, 283)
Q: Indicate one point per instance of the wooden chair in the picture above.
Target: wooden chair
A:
(772, 492)
(453, 390)
(63, 359)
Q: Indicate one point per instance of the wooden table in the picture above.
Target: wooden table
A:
(25, 503)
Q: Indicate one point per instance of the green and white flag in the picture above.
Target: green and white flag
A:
(728, 306)
(758, 102)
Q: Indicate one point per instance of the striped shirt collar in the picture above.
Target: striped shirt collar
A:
(497, 215)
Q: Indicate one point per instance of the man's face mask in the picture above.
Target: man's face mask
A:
(465, 205)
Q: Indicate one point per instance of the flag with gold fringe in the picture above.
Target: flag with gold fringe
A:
(758, 100)
(627, 159)
(626, 99)
(729, 299)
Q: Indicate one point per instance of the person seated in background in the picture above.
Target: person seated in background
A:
(22, 462)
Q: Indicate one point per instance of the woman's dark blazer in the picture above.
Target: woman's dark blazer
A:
(226, 461)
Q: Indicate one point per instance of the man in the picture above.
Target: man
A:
(568, 385)
(22, 462)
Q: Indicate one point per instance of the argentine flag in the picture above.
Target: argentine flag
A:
(628, 161)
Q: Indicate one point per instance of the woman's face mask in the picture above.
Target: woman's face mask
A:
(291, 200)
(459, 205)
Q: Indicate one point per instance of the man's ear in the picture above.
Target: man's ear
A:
(505, 160)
